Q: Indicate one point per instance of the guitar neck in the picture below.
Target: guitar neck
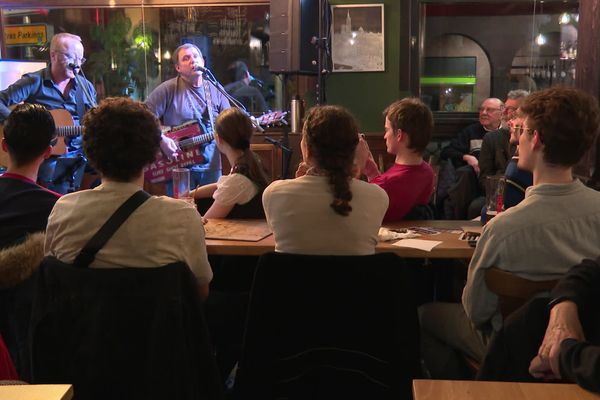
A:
(69, 130)
(196, 140)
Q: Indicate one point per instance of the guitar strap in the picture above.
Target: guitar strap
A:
(197, 99)
(209, 104)
(79, 101)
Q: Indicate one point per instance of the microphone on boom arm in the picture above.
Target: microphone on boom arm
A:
(200, 68)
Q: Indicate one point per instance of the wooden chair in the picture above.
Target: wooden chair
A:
(512, 290)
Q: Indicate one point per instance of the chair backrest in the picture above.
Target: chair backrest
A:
(135, 333)
(325, 327)
(513, 291)
(420, 212)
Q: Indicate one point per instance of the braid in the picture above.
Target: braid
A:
(332, 136)
(340, 182)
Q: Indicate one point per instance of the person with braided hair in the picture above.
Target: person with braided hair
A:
(247, 179)
(325, 211)
(409, 182)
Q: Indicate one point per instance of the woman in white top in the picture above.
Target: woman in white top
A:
(233, 131)
(324, 210)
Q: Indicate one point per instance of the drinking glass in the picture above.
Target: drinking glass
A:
(181, 183)
(494, 195)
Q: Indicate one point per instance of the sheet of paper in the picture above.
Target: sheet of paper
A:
(425, 245)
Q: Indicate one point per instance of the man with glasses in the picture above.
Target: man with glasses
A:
(552, 229)
(55, 87)
(496, 148)
(463, 153)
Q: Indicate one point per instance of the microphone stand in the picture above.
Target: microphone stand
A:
(80, 82)
(286, 151)
(208, 75)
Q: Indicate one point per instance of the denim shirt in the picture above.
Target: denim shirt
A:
(38, 87)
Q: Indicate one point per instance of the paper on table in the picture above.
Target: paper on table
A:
(426, 245)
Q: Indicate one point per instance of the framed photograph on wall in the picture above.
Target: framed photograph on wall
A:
(357, 38)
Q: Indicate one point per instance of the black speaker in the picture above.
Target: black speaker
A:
(293, 24)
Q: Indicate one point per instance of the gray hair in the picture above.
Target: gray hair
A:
(61, 38)
(517, 94)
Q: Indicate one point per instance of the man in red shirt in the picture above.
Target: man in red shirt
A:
(409, 182)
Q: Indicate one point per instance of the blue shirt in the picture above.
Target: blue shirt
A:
(38, 87)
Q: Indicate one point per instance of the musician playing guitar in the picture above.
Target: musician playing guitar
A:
(190, 97)
(55, 87)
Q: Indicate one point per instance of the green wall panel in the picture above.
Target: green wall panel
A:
(366, 94)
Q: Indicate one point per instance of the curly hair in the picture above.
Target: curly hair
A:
(28, 131)
(331, 134)
(121, 136)
(235, 128)
(413, 117)
(567, 120)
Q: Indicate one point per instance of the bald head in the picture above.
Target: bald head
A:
(490, 113)
(65, 49)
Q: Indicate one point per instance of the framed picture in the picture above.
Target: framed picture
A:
(357, 43)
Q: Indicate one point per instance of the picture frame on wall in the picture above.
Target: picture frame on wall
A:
(357, 38)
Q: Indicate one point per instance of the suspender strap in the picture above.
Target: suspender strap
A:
(88, 253)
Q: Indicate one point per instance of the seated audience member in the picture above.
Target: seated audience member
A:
(121, 137)
(24, 209)
(465, 148)
(241, 89)
(463, 153)
(247, 179)
(559, 125)
(409, 182)
(496, 147)
(570, 349)
(517, 179)
(324, 210)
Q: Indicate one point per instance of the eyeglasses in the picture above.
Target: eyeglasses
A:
(520, 129)
(54, 141)
(69, 57)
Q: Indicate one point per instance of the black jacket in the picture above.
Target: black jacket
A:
(122, 333)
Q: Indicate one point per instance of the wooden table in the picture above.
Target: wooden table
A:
(450, 247)
(36, 392)
(479, 390)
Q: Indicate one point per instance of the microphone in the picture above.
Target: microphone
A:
(198, 67)
(256, 80)
(73, 66)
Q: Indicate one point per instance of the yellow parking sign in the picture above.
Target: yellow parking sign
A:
(30, 34)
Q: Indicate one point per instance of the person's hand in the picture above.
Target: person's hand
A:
(302, 168)
(169, 147)
(564, 324)
(362, 154)
(473, 162)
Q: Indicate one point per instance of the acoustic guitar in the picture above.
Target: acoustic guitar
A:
(65, 127)
(189, 136)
